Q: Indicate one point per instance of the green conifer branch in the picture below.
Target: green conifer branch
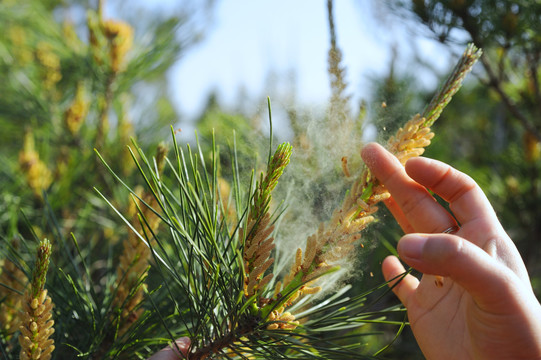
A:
(42, 265)
(402, 145)
(202, 265)
(451, 86)
(36, 323)
(275, 169)
(258, 242)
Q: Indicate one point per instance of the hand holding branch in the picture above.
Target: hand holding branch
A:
(486, 308)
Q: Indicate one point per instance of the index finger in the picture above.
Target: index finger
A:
(417, 205)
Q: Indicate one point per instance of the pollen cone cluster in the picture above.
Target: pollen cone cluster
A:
(257, 254)
(120, 37)
(134, 261)
(37, 327)
(12, 277)
(50, 63)
(284, 321)
(410, 140)
(76, 113)
(228, 207)
(336, 239)
(38, 176)
(109, 39)
(332, 242)
(36, 318)
(258, 243)
(133, 266)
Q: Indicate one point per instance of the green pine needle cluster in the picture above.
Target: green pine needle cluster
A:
(200, 262)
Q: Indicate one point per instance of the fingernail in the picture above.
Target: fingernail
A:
(411, 246)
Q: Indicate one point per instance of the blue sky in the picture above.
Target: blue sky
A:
(249, 39)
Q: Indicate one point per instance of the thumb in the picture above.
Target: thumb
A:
(482, 276)
(171, 352)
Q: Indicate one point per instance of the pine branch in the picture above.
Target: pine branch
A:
(275, 169)
(36, 324)
(204, 270)
(411, 140)
(453, 83)
(334, 240)
(258, 243)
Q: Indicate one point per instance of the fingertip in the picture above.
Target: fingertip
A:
(411, 247)
(184, 340)
(391, 267)
(419, 161)
(368, 153)
(369, 147)
(432, 254)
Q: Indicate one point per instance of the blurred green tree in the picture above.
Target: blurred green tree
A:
(75, 77)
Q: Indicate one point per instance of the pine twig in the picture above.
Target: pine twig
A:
(335, 239)
(416, 134)
(36, 324)
(453, 83)
(12, 286)
(258, 243)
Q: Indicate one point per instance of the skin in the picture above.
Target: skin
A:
(171, 352)
(486, 308)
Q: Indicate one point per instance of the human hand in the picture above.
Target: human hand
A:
(171, 352)
(486, 308)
